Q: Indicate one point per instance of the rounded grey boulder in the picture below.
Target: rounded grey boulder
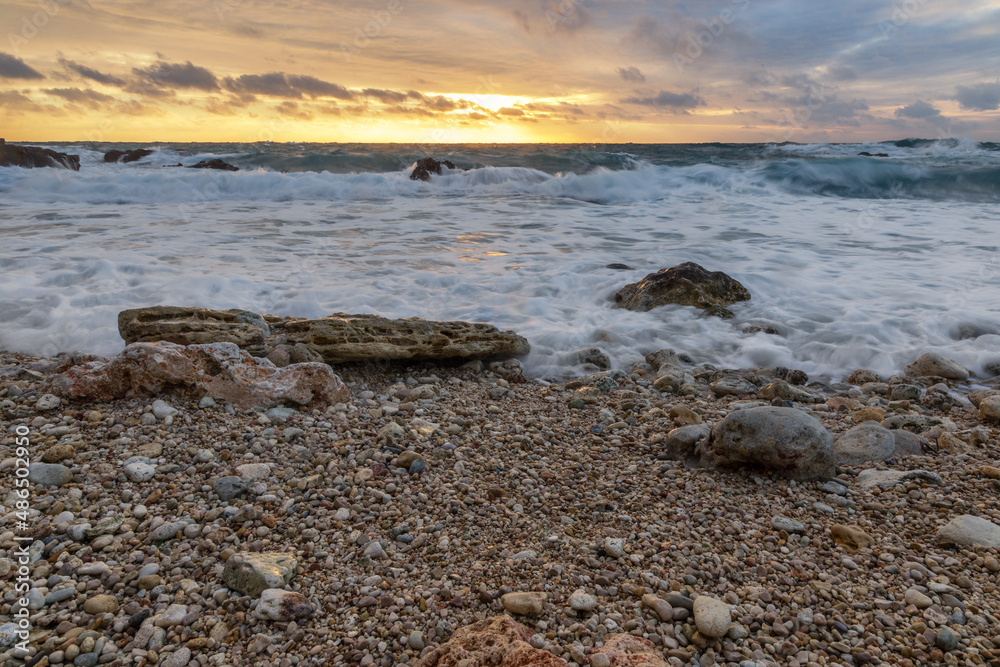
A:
(783, 440)
(866, 442)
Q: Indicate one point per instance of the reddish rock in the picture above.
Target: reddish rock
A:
(220, 370)
(631, 651)
(499, 641)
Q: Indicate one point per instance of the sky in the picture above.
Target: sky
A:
(440, 71)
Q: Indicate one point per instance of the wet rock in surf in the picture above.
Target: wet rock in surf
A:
(686, 284)
(867, 154)
(214, 164)
(783, 440)
(33, 157)
(127, 156)
(426, 166)
(937, 365)
(595, 357)
(192, 326)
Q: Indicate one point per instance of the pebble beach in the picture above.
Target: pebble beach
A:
(381, 525)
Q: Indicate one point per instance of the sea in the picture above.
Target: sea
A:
(852, 261)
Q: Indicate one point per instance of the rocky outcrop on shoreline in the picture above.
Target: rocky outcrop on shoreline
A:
(438, 514)
(219, 371)
(214, 163)
(424, 167)
(32, 157)
(127, 156)
(339, 338)
(686, 284)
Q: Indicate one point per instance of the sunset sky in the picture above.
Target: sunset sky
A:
(596, 71)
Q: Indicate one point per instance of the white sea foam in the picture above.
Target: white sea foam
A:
(849, 282)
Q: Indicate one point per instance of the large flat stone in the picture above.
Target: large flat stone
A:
(192, 326)
(343, 338)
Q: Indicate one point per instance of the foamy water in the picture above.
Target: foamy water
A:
(858, 262)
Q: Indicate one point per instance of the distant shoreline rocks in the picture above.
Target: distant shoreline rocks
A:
(127, 156)
(34, 157)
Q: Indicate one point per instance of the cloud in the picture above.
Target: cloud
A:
(667, 100)
(842, 73)
(980, 97)
(92, 74)
(387, 96)
(292, 110)
(510, 111)
(567, 16)
(631, 74)
(826, 108)
(280, 84)
(176, 75)
(920, 110)
(12, 67)
(89, 98)
(314, 87)
(12, 100)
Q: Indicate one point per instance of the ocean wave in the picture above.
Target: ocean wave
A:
(955, 169)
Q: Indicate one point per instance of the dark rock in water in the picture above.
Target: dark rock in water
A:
(687, 284)
(594, 356)
(867, 154)
(720, 312)
(972, 330)
(784, 440)
(127, 156)
(214, 164)
(427, 166)
(760, 328)
(32, 157)
(619, 267)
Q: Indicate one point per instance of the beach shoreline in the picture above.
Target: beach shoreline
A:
(521, 489)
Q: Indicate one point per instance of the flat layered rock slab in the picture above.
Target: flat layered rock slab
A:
(338, 338)
(192, 326)
(342, 338)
